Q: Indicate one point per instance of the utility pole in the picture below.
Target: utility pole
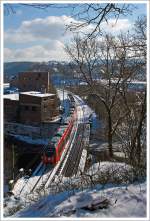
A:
(13, 160)
(48, 89)
(63, 93)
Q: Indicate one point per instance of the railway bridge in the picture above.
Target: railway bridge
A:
(71, 158)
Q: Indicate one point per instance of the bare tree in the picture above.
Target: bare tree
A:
(133, 129)
(10, 8)
(84, 15)
(93, 15)
(108, 59)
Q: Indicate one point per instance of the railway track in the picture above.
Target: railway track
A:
(66, 151)
(22, 183)
(59, 166)
(33, 181)
(72, 154)
(42, 181)
(72, 163)
(40, 176)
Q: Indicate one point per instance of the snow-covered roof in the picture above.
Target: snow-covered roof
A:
(11, 96)
(5, 85)
(37, 94)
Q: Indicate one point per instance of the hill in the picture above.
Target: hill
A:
(11, 69)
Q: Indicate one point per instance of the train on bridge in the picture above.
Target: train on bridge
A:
(53, 151)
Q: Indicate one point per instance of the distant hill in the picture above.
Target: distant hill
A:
(11, 69)
(59, 70)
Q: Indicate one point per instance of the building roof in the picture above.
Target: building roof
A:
(37, 94)
(15, 96)
(35, 72)
(11, 96)
(6, 85)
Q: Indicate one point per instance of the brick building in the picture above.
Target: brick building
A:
(34, 80)
(37, 101)
(37, 107)
(31, 107)
(11, 107)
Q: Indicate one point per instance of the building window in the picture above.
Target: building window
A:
(45, 99)
(26, 108)
(34, 108)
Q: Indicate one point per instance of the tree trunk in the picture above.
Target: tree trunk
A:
(110, 135)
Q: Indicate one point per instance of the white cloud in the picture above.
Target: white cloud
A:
(47, 35)
(115, 26)
(43, 38)
(46, 52)
(8, 53)
(49, 28)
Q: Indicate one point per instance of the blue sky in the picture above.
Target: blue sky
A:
(39, 34)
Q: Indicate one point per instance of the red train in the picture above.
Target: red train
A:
(53, 151)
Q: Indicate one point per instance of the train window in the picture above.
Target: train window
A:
(58, 135)
(49, 154)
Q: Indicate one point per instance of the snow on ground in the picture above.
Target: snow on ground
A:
(37, 94)
(62, 95)
(33, 181)
(89, 114)
(108, 166)
(23, 183)
(99, 145)
(11, 96)
(124, 202)
(87, 111)
(111, 172)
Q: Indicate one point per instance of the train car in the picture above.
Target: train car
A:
(53, 151)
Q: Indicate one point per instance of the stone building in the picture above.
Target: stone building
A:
(31, 107)
(36, 107)
(34, 80)
(37, 101)
(11, 107)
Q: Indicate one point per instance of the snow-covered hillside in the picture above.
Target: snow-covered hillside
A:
(108, 194)
(111, 199)
(124, 201)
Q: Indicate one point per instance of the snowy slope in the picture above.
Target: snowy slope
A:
(128, 200)
(124, 202)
